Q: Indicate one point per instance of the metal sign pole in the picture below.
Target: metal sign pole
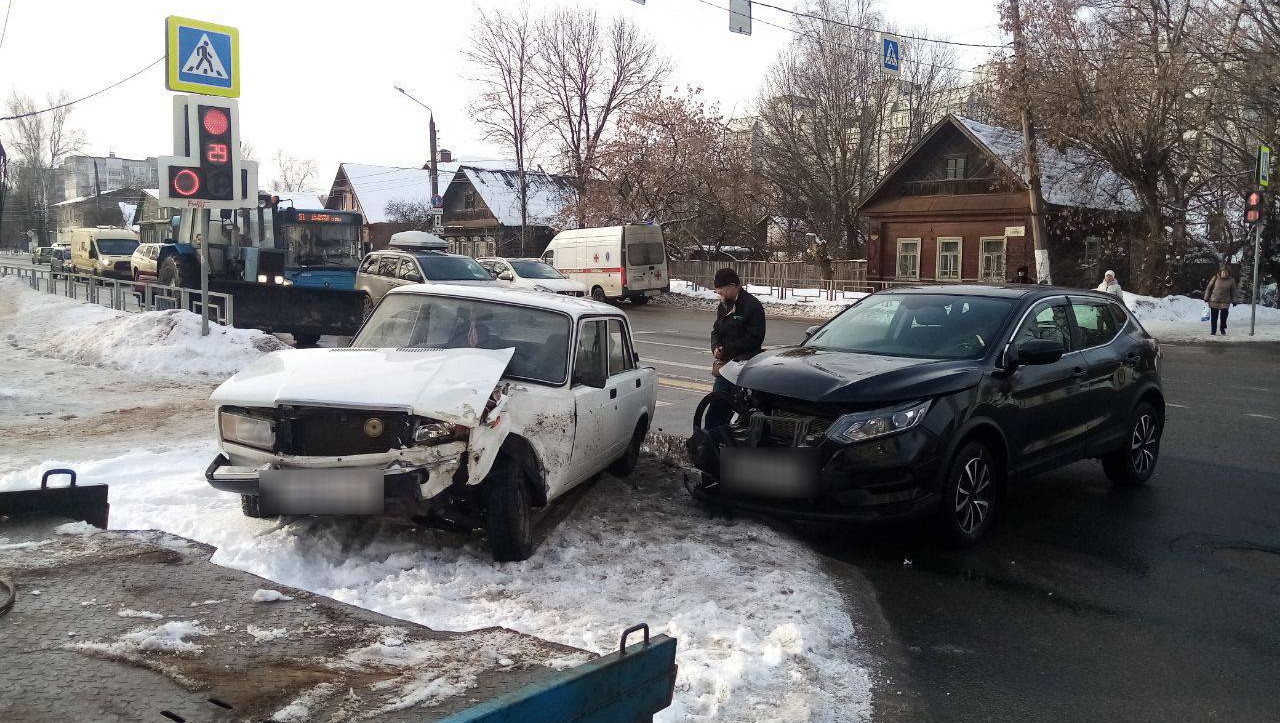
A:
(1257, 252)
(202, 218)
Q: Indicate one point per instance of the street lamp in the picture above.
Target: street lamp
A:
(431, 127)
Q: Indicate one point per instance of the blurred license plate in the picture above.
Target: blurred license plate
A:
(769, 471)
(321, 491)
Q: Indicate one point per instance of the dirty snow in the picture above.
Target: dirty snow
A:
(75, 528)
(131, 613)
(764, 634)
(170, 637)
(164, 343)
(801, 302)
(261, 595)
(264, 635)
(1178, 319)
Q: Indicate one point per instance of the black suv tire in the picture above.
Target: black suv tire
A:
(508, 517)
(1135, 462)
(969, 494)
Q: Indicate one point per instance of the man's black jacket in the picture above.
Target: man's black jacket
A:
(739, 330)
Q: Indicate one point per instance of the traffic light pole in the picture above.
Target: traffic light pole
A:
(202, 223)
(1257, 252)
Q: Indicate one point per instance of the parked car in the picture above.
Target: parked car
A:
(468, 406)
(103, 251)
(144, 263)
(42, 255)
(932, 401)
(533, 275)
(60, 261)
(616, 262)
(416, 257)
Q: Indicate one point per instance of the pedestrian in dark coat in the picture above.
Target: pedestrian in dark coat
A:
(1022, 277)
(737, 335)
(1221, 294)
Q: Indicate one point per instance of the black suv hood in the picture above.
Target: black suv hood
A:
(817, 375)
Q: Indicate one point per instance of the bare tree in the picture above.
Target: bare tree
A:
(40, 142)
(587, 73)
(503, 50)
(294, 174)
(417, 213)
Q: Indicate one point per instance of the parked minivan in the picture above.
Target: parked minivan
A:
(615, 262)
(103, 251)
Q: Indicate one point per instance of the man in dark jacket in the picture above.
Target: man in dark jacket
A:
(737, 335)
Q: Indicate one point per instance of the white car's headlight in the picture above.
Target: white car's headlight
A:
(430, 433)
(861, 426)
(246, 430)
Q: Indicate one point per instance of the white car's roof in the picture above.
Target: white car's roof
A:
(574, 306)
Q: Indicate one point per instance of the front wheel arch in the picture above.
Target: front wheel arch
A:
(522, 452)
(986, 431)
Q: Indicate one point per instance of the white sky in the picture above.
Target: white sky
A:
(317, 76)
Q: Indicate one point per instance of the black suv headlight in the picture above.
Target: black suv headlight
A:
(250, 431)
(861, 426)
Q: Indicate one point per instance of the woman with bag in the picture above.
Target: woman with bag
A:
(1221, 294)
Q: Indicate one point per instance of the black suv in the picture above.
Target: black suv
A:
(931, 401)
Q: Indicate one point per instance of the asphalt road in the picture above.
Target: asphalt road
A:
(1088, 602)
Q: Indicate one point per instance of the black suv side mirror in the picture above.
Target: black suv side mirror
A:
(1038, 351)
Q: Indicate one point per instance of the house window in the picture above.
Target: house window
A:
(955, 168)
(1092, 253)
(908, 258)
(949, 258)
(993, 259)
(469, 198)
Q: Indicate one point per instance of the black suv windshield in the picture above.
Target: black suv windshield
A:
(452, 268)
(923, 326)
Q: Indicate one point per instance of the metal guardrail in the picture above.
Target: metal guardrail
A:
(798, 289)
(124, 295)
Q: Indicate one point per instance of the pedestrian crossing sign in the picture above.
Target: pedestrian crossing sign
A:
(202, 57)
(891, 53)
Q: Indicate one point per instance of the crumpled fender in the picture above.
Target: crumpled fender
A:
(486, 438)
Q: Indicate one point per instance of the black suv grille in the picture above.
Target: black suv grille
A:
(786, 428)
(338, 432)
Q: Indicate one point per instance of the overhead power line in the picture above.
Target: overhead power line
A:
(842, 23)
(95, 93)
(8, 9)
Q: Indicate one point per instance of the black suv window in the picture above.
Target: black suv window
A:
(1094, 321)
(1047, 320)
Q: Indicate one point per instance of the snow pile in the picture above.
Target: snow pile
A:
(131, 613)
(764, 634)
(261, 595)
(1178, 318)
(166, 343)
(809, 303)
(265, 635)
(171, 637)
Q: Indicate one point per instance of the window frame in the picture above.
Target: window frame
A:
(1004, 259)
(955, 167)
(628, 355)
(897, 259)
(1049, 303)
(577, 343)
(1079, 330)
(959, 254)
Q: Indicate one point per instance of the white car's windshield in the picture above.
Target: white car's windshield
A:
(421, 321)
(924, 326)
(534, 270)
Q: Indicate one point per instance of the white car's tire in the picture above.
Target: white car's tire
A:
(508, 516)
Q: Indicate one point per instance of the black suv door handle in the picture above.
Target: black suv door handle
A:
(1079, 372)
(613, 393)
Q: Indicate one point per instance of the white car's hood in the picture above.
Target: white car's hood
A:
(451, 385)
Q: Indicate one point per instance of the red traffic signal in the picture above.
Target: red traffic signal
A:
(1253, 207)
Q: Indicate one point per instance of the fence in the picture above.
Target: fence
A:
(124, 295)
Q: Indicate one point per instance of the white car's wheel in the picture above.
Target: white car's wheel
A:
(508, 518)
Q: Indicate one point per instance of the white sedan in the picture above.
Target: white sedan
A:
(533, 275)
(464, 406)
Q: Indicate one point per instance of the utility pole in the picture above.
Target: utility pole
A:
(1038, 237)
(431, 131)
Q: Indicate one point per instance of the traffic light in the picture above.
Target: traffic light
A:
(212, 179)
(1253, 207)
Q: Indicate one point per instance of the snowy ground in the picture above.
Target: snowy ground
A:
(764, 634)
(1172, 318)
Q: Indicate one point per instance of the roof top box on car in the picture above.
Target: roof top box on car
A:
(417, 240)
